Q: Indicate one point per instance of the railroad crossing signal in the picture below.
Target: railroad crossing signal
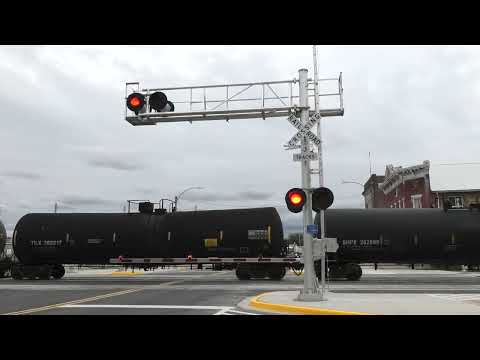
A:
(220, 107)
(158, 101)
(295, 199)
(322, 199)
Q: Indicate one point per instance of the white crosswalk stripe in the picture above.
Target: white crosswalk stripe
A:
(232, 311)
(457, 297)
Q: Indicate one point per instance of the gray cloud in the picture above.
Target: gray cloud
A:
(404, 104)
(209, 196)
(21, 175)
(116, 164)
(73, 201)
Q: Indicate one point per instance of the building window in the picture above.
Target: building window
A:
(396, 192)
(416, 201)
(456, 201)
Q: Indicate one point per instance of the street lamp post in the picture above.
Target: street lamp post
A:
(183, 192)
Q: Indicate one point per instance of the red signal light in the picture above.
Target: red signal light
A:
(135, 102)
(295, 199)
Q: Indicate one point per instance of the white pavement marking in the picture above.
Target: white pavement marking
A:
(241, 312)
(223, 310)
(457, 297)
(191, 307)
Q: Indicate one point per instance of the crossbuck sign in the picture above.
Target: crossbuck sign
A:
(303, 130)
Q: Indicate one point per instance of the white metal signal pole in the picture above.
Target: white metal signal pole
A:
(320, 165)
(310, 285)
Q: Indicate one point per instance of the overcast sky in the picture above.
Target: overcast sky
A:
(63, 136)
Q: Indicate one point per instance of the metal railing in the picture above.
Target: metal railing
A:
(237, 101)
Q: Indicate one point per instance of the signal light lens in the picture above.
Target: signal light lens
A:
(322, 199)
(295, 199)
(135, 102)
(158, 101)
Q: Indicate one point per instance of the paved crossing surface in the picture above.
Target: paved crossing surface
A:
(206, 292)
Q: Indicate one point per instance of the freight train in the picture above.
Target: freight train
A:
(407, 236)
(43, 243)
(249, 239)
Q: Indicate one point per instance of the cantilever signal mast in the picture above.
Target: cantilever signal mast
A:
(288, 99)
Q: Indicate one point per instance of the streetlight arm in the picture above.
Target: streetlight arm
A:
(183, 192)
(352, 182)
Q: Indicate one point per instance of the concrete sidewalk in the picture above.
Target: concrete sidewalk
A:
(284, 302)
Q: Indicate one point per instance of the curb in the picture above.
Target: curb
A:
(304, 310)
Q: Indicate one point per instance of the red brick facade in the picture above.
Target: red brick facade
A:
(402, 188)
(410, 188)
(403, 195)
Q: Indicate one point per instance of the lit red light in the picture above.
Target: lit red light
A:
(135, 102)
(295, 198)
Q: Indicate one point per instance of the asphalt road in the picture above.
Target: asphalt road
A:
(204, 292)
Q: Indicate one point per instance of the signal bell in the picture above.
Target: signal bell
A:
(322, 199)
(295, 199)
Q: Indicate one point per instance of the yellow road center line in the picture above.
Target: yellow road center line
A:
(80, 301)
(49, 307)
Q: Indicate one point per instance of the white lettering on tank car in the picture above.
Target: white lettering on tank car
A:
(362, 242)
(45, 243)
(257, 234)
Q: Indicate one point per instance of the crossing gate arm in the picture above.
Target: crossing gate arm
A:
(209, 260)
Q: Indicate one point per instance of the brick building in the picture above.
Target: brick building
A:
(374, 197)
(424, 185)
(407, 187)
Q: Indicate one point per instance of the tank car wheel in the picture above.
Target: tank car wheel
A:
(242, 274)
(16, 274)
(277, 273)
(44, 274)
(58, 271)
(353, 272)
